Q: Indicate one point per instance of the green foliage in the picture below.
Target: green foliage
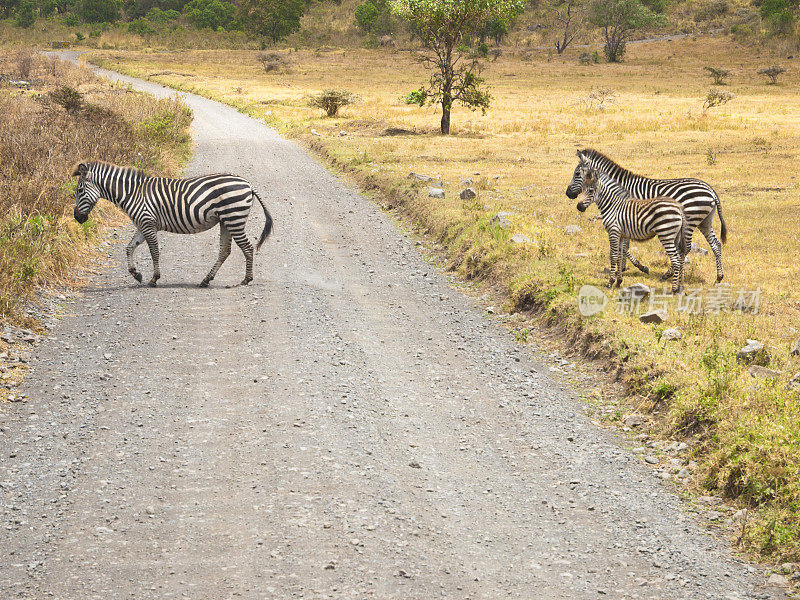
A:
(156, 15)
(482, 50)
(72, 20)
(366, 15)
(778, 15)
(274, 19)
(418, 97)
(141, 26)
(209, 14)
(79, 36)
(97, 11)
(618, 20)
(25, 15)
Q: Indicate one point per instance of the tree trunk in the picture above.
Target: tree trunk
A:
(446, 102)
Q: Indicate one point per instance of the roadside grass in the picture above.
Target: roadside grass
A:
(44, 132)
(743, 432)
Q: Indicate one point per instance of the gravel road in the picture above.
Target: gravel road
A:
(348, 426)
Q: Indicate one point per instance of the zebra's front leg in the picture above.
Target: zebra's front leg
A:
(224, 253)
(135, 242)
(151, 237)
(247, 249)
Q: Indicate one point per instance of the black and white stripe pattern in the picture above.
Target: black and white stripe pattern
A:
(628, 218)
(697, 198)
(187, 205)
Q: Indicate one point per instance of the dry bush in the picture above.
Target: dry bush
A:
(772, 73)
(43, 133)
(273, 61)
(716, 98)
(332, 100)
(600, 98)
(717, 74)
(23, 63)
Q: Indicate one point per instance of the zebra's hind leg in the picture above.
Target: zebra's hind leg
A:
(151, 237)
(707, 228)
(224, 253)
(240, 237)
(135, 242)
(676, 262)
(633, 260)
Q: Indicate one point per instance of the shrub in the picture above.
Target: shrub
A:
(778, 15)
(716, 97)
(718, 74)
(332, 100)
(274, 19)
(600, 98)
(415, 97)
(585, 58)
(97, 11)
(70, 98)
(772, 73)
(72, 20)
(141, 26)
(24, 64)
(482, 50)
(26, 14)
(79, 36)
(272, 61)
(366, 15)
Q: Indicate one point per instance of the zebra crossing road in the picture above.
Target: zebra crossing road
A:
(348, 426)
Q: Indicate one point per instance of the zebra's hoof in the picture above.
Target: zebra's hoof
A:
(203, 283)
(644, 270)
(720, 278)
(137, 276)
(153, 282)
(666, 276)
(246, 280)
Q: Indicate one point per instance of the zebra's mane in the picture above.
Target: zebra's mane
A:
(102, 163)
(598, 156)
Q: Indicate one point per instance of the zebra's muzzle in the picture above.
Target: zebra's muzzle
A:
(572, 194)
(80, 217)
(582, 207)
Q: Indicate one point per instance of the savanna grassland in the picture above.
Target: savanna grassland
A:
(743, 431)
(60, 115)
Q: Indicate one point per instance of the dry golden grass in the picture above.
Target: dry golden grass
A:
(745, 433)
(40, 140)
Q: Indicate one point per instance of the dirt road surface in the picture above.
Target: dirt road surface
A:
(348, 426)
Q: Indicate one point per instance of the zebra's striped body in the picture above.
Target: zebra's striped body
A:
(188, 205)
(628, 218)
(698, 199)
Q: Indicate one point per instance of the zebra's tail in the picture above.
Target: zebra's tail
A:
(267, 222)
(681, 242)
(723, 233)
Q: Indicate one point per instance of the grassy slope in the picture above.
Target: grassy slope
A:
(41, 245)
(744, 432)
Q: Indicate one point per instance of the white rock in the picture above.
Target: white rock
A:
(518, 238)
(435, 192)
(671, 334)
(655, 316)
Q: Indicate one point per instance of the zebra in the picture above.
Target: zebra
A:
(697, 198)
(626, 217)
(188, 205)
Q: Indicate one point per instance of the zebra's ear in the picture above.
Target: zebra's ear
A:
(581, 157)
(79, 170)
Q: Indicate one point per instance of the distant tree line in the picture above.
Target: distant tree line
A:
(273, 19)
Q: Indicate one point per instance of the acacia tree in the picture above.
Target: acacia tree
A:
(443, 25)
(570, 15)
(619, 19)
